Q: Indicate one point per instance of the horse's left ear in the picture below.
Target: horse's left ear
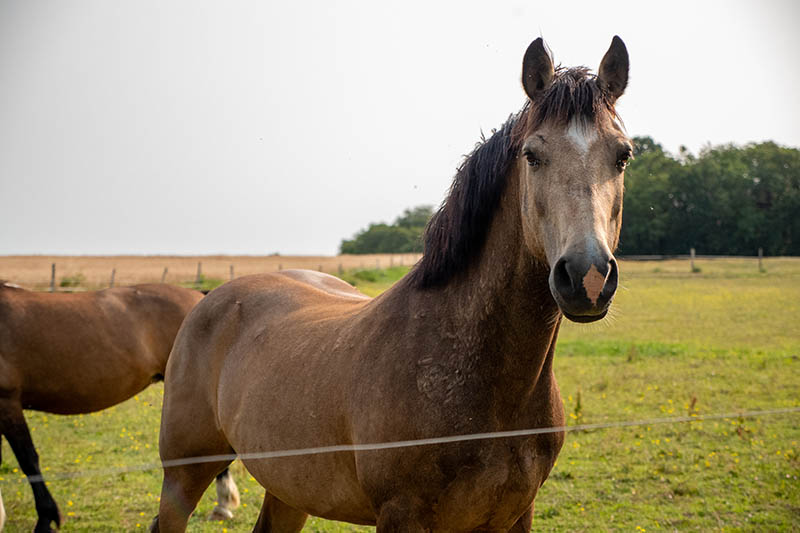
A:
(613, 73)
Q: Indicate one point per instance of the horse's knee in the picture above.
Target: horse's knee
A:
(181, 489)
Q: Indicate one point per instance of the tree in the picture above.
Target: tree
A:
(649, 199)
(404, 236)
(726, 200)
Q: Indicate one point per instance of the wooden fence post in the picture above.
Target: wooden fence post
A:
(691, 258)
(231, 272)
(341, 270)
(53, 277)
(199, 274)
(760, 259)
(164, 274)
(113, 274)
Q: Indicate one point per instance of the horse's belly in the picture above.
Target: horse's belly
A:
(69, 397)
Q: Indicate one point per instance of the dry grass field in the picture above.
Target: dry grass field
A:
(94, 272)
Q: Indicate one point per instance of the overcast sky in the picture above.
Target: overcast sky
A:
(195, 127)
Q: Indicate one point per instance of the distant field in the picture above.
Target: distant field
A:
(722, 340)
(34, 271)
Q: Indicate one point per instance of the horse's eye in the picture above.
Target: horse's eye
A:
(533, 161)
(622, 161)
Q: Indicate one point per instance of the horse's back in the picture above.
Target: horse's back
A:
(80, 352)
(245, 309)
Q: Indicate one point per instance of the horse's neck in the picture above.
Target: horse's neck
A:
(498, 313)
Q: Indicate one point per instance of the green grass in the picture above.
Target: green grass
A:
(75, 280)
(678, 343)
(203, 283)
(374, 281)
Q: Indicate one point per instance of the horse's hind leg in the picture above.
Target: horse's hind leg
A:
(227, 496)
(277, 517)
(13, 426)
(182, 488)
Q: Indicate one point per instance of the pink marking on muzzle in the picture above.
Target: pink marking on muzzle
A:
(593, 282)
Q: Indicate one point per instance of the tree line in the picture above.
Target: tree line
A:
(727, 200)
(403, 236)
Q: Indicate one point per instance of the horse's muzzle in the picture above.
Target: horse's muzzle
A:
(583, 285)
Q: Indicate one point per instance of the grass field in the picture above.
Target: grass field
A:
(722, 340)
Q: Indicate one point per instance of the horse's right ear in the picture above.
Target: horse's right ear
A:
(537, 69)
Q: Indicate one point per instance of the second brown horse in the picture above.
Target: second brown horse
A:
(78, 353)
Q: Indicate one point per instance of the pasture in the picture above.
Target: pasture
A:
(722, 340)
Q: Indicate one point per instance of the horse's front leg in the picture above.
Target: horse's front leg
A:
(13, 426)
(524, 522)
(400, 515)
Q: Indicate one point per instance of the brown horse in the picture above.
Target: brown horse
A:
(78, 353)
(463, 344)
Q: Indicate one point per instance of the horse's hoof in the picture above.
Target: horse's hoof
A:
(220, 513)
(43, 527)
(48, 515)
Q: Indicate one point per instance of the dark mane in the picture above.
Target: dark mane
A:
(455, 235)
(456, 232)
(574, 93)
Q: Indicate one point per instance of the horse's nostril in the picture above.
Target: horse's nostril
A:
(561, 277)
(611, 278)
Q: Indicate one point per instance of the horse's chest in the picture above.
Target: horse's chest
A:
(492, 491)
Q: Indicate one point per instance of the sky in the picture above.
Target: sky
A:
(197, 127)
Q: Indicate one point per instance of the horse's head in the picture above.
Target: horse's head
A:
(572, 155)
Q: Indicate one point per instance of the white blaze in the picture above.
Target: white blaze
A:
(582, 135)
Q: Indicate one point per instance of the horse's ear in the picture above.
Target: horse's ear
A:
(613, 73)
(537, 69)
